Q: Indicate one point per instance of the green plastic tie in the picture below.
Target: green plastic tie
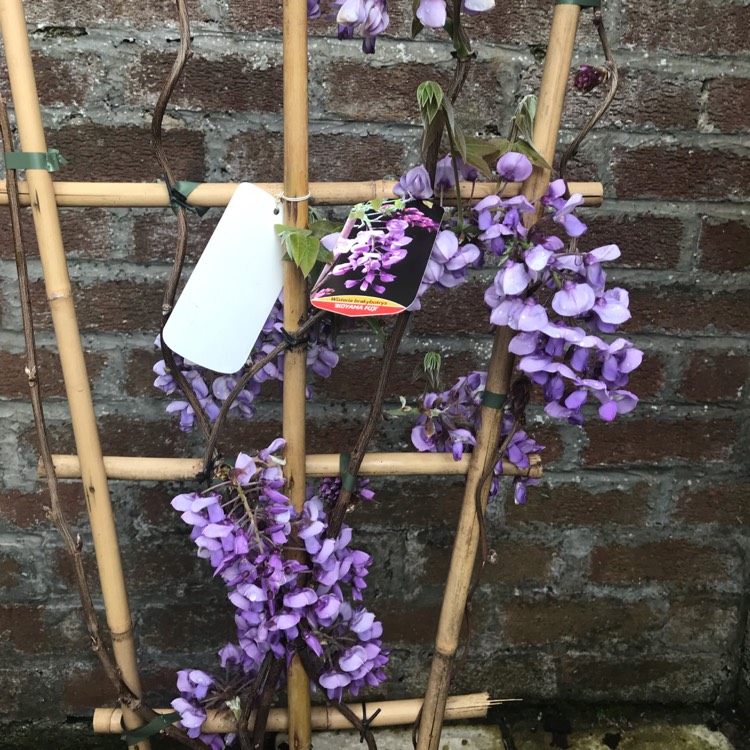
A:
(49, 161)
(178, 195)
(348, 481)
(582, 3)
(493, 400)
(159, 724)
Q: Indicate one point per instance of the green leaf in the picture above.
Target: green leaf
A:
(321, 227)
(460, 142)
(309, 255)
(324, 254)
(522, 147)
(296, 246)
(416, 27)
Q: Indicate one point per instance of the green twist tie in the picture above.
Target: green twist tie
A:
(582, 3)
(178, 195)
(348, 481)
(159, 724)
(493, 400)
(49, 161)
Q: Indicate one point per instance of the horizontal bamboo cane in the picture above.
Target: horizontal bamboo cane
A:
(217, 194)
(148, 468)
(392, 713)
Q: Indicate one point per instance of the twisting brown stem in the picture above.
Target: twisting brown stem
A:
(243, 381)
(72, 546)
(263, 706)
(613, 78)
(373, 420)
(183, 55)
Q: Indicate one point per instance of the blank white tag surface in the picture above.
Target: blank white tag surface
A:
(233, 288)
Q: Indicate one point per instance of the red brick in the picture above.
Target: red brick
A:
(729, 103)
(155, 237)
(525, 23)
(573, 505)
(715, 377)
(547, 435)
(258, 157)
(86, 688)
(725, 245)
(641, 678)
(60, 81)
(128, 436)
(669, 561)
(132, 436)
(204, 623)
(648, 380)
(322, 437)
(247, 15)
(14, 382)
(681, 173)
(355, 380)
(458, 310)
(583, 621)
(652, 441)
(224, 84)
(645, 241)
(124, 153)
(644, 98)
(153, 504)
(121, 305)
(138, 13)
(10, 571)
(354, 91)
(24, 629)
(408, 623)
(139, 378)
(725, 504)
(426, 502)
(25, 510)
(681, 309)
(698, 28)
(519, 563)
(87, 233)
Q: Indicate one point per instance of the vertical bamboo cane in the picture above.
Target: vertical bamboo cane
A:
(549, 112)
(57, 285)
(295, 310)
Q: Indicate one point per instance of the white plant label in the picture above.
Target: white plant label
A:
(233, 288)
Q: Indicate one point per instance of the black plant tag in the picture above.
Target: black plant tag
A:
(378, 269)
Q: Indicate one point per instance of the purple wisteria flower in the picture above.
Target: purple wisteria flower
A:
(514, 167)
(368, 18)
(448, 423)
(212, 389)
(241, 526)
(415, 183)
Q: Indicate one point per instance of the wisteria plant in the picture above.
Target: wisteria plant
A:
(293, 578)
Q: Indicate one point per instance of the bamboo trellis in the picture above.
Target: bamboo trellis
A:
(44, 196)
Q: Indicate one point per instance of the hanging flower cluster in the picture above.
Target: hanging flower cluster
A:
(556, 299)
(213, 389)
(448, 422)
(241, 525)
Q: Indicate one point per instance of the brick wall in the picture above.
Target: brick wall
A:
(624, 576)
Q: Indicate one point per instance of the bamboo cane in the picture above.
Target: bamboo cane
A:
(295, 311)
(143, 468)
(57, 285)
(391, 713)
(549, 112)
(218, 194)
